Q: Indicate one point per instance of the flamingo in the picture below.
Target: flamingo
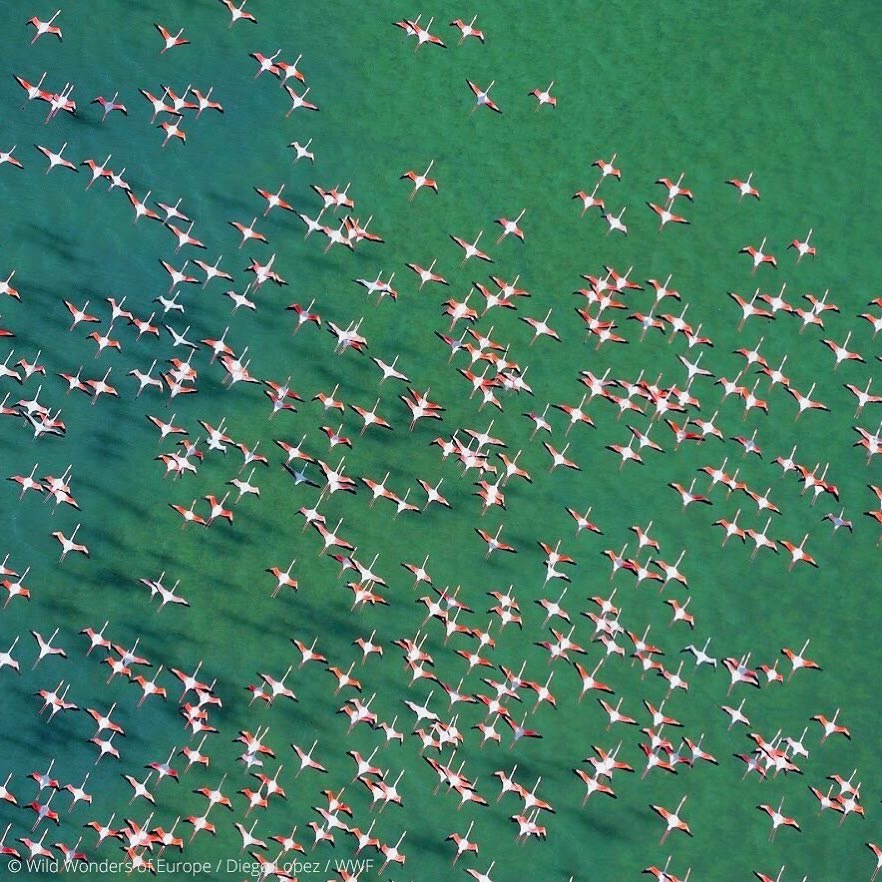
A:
(420, 180)
(778, 820)
(238, 13)
(45, 27)
(744, 187)
(482, 96)
(672, 819)
(467, 30)
(544, 96)
(170, 40)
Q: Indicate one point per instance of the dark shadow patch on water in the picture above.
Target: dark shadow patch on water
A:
(84, 120)
(237, 205)
(52, 238)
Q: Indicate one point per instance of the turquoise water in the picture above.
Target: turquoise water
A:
(668, 88)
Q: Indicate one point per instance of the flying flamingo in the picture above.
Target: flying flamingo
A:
(463, 843)
(778, 819)
(544, 96)
(169, 39)
(420, 180)
(482, 96)
(672, 819)
(45, 27)
(237, 13)
(744, 187)
(467, 30)
(68, 544)
(803, 248)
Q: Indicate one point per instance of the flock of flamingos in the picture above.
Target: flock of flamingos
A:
(502, 707)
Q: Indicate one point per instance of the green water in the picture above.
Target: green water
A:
(787, 93)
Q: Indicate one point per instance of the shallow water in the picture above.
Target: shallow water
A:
(667, 87)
